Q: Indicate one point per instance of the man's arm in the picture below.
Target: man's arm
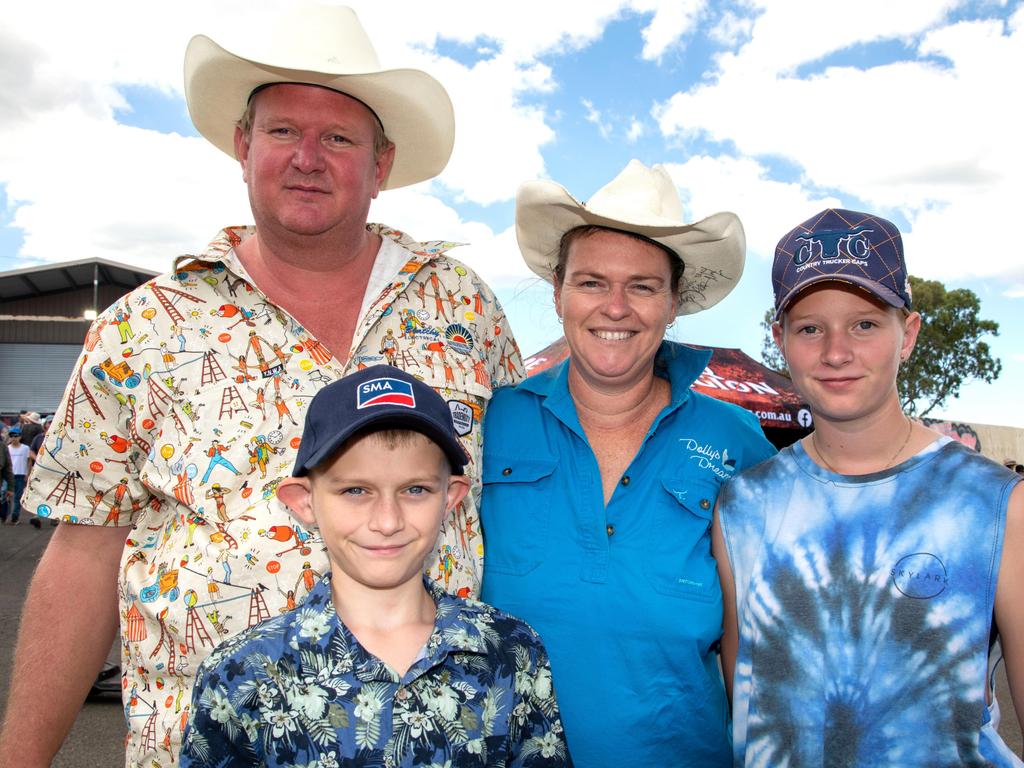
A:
(730, 628)
(67, 627)
(1010, 599)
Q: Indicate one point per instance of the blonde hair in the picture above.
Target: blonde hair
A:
(245, 122)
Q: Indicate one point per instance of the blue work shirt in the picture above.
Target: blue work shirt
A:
(626, 596)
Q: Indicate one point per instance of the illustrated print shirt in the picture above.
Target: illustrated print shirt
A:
(625, 594)
(865, 611)
(184, 413)
(300, 690)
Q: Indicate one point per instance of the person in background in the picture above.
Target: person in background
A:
(31, 427)
(19, 455)
(600, 474)
(6, 481)
(870, 568)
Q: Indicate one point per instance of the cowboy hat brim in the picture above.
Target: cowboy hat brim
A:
(413, 107)
(712, 250)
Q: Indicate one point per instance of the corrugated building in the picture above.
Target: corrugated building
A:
(45, 312)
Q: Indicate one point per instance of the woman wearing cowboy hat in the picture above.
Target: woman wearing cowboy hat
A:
(600, 475)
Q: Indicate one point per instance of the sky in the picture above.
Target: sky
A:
(772, 109)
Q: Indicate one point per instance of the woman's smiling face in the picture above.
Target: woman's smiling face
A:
(615, 298)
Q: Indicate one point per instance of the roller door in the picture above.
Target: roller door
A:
(33, 376)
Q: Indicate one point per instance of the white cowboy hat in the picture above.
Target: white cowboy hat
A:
(644, 201)
(327, 46)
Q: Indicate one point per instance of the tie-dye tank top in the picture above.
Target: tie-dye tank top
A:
(865, 611)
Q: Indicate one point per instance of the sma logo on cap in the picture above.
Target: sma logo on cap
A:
(385, 392)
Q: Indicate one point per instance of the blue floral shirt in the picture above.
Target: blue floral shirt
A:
(300, 691)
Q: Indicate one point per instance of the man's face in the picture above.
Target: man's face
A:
(309, 161)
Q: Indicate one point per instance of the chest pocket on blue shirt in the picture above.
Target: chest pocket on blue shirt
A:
(680, 561)
(514, 510)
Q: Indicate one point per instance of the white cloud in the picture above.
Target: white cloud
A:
(125, 194)
(767, 208)
(672, 20)
(594, 116)
(935, 144)
(788, 34)
(498, 140)
(731, 29)
(635, 131)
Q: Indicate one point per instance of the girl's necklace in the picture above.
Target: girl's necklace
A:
(910, 431)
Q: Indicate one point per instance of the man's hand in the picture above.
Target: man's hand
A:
(67, 627)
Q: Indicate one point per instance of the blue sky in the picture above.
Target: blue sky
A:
(773, 110)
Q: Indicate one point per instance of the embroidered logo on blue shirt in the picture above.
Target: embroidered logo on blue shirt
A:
(385, 392)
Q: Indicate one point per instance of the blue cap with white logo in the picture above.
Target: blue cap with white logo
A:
(844, 246)
(381, 397)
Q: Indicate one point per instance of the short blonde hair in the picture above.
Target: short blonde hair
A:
(245, 122)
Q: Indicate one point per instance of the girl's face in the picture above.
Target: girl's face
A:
(844, 350)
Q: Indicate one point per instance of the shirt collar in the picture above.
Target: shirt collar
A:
(221, 250)
(459, 627)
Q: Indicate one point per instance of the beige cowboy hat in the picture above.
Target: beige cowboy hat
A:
(327, 46)
(644, 201)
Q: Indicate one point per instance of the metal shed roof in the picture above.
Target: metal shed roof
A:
(46, 279)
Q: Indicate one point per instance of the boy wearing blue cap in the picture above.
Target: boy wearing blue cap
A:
(869, 569)
(378, 666)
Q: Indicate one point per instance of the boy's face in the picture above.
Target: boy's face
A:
(378, 507)
(844, 350)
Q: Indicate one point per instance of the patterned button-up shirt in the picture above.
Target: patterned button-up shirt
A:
(184, 413)
(300, 690)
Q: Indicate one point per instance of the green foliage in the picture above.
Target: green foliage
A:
(949, 348)
(771, 356)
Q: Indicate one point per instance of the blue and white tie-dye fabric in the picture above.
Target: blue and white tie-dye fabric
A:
(865, 611)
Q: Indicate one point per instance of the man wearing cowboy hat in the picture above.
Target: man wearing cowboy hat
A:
(319, 130)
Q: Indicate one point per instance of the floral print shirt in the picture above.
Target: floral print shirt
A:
(300, 690)
(186, 410)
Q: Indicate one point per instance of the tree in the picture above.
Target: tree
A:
(949, 347)
(770, 353)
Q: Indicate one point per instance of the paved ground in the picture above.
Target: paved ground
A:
(97, 737)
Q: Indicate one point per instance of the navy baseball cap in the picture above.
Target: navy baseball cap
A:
(382, 397)
(842, 246)
(14, 431)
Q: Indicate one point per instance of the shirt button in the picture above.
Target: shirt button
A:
(506, 471)
(610, 529)
(625, 479)
(705, 504)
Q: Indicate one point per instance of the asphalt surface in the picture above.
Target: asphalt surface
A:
(97, 738)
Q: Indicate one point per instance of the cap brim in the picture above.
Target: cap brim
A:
(412, 420)
(712, 249)
(880, 292)
(413, 107)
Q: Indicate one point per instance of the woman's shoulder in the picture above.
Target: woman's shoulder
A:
(732, 419)
(525, 394)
